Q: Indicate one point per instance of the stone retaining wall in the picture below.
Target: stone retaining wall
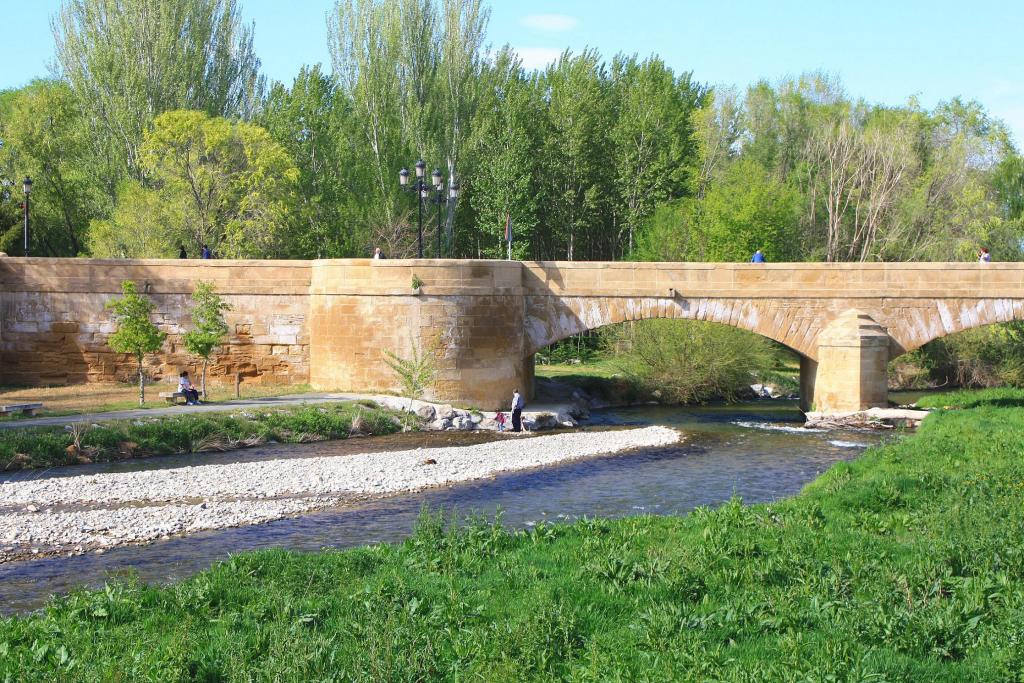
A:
(54, 324)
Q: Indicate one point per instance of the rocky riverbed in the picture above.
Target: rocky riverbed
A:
(93, 511)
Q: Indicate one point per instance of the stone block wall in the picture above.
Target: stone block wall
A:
(468, 316)
(54, 323)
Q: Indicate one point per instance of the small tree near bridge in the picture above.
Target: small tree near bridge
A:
(210, 328)
(136, 334)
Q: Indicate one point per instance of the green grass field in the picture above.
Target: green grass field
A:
(904, 565)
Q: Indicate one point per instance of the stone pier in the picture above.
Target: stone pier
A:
(850, 373)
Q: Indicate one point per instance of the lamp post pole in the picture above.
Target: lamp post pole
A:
(439, 199)
(27, 187)
(423, 191)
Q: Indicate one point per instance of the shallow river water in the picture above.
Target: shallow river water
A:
(757, 451)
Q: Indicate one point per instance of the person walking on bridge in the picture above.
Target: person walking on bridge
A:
(758, 257)
(517, 411)
(984, 256)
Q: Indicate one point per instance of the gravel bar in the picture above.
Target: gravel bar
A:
(134, 507)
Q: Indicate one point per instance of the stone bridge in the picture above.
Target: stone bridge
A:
(331, 322)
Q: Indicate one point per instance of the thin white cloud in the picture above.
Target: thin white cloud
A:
(549, 22)
(538, 57)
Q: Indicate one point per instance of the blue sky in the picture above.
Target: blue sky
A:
(882, 51)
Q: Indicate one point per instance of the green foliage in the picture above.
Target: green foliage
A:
(212, 181)
(1002, 397)
(45, 137)
(208, 326)
(49, 446)
(689, 361)
(313, 121)
(670, 234)
(980, 357)
(129, 61)
(652, 137)
(905, 565)
(136, 334)
(748, 209)
(416, 281)
(416, 374)
(592, 158)
(411, 69)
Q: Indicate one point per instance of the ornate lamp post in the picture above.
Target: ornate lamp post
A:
(423, 191)
(420, 188)
(439, 198)
(26, 185)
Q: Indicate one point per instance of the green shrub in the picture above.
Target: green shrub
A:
(689, 361)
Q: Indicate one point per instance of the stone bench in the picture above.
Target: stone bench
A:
(172, 396)
(23, 408)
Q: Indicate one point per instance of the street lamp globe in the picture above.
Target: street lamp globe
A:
(403, 177)
(421, 167)
(453, 191)
(436, 177)
(26, 185)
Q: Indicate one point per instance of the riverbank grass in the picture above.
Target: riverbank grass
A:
(84, 442)
(904, 565)
(1001, 397)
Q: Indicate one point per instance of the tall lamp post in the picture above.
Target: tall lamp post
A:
(420, 188)
(26, 185)
(439, 198)
(427, 191)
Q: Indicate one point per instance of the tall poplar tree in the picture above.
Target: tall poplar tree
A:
(128, 61)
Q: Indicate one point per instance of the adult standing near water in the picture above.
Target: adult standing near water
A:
(517, 411)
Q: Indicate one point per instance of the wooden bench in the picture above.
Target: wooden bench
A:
(23, 408)
(172, 396)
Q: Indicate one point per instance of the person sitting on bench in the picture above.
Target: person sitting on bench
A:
(185, 386)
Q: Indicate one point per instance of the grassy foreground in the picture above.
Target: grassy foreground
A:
(905, 565)
(192, 433)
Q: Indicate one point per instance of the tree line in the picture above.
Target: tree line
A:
(157, 131)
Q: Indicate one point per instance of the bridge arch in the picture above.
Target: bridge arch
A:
(551, 319)
(914, 324)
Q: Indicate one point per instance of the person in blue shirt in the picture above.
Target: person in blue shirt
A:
(206, 253)
(758, 257)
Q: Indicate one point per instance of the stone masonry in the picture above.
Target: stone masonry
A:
(333, 322)
(54, 324)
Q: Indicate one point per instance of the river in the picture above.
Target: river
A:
(757, 451)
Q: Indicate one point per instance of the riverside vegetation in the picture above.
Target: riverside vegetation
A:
(144, 437)
(904, 565)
